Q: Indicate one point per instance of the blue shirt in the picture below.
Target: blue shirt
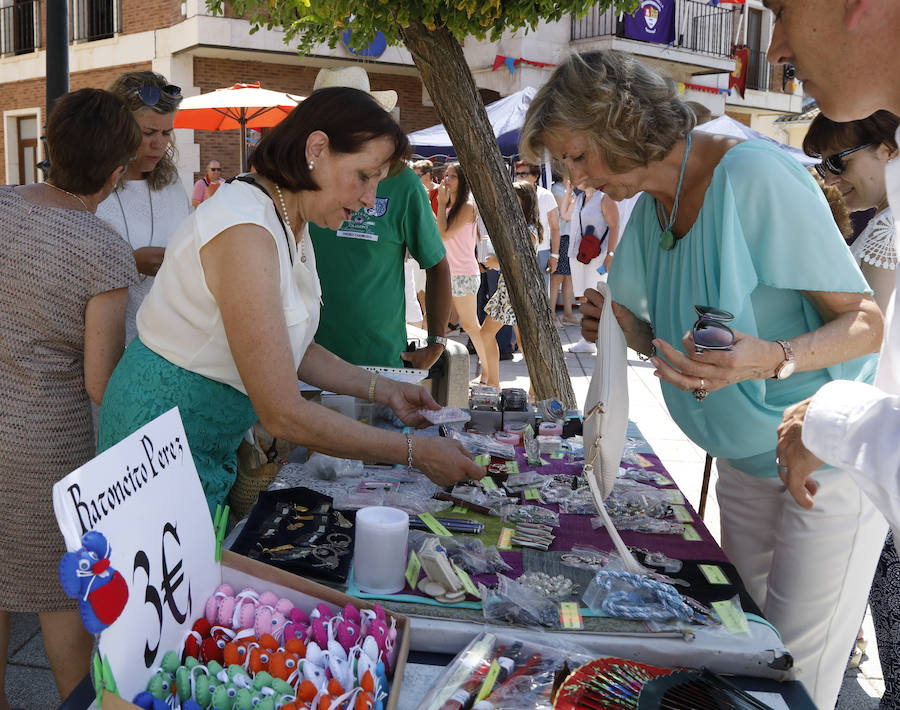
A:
(764, 234)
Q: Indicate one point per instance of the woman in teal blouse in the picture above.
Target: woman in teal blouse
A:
(742, 227)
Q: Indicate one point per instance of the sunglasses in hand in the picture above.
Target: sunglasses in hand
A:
(710, 332)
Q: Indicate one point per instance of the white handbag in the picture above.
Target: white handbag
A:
(606, 417)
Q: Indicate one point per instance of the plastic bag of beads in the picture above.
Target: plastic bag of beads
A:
(642, 524)
(466, 552)
(518, 482)
(517, 604)
(330, 468)
(532, 514)
(477, 444)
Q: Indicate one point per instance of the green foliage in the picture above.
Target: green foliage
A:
(311, 22)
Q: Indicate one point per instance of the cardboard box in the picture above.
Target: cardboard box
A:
(240, 572)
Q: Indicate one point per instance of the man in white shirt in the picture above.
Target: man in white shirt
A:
(847, 55)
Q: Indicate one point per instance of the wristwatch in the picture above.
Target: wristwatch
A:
(786, 368)
(440, 339)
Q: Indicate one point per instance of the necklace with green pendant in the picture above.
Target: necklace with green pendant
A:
(667, 238)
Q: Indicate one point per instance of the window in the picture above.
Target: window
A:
(95, 19)
(27, 133)
(20, 24)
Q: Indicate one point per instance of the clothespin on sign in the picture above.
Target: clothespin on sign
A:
(102, 677)
(220, 523)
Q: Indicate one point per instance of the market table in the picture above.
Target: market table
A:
(448, 628)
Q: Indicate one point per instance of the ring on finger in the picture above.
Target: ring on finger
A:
(700, 392)
(781, 467)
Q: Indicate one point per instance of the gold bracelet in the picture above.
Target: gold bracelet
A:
(372, 380)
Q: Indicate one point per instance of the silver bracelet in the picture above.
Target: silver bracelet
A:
(409, 463)
(641, 355)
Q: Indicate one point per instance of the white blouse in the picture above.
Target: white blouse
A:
(180, 319)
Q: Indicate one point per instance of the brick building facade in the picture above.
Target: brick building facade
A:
(190, 47)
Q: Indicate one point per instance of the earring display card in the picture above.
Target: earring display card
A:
(298, 530)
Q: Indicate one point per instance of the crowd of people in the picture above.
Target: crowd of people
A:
(225, 297)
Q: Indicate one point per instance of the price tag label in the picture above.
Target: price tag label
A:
(412, 569)
(690, 533)
(532, 494)
(682, 515)
(434, 525)
(488, 484)
(662, 480)
(714, 574)
(468, 584)
(570, 616)
(489, 680)
(458, 509)
(512, 467)
(643, 461)
(482, 459)
(505, 540)
(732, 617)
(675, 497)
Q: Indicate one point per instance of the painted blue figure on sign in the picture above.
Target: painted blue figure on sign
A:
(86, 575)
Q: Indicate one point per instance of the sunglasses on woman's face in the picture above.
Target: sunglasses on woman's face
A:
(835, 164)
(710, 331)
(150, 94)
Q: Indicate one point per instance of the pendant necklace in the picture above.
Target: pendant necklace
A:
(70, 194)
(667, 238)
(125, 219)
(287, 221)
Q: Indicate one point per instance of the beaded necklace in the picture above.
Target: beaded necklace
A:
(667, 238)
(287, 221)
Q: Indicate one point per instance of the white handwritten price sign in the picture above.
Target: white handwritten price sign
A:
(144, 495)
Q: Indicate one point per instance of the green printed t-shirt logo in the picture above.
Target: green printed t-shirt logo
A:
(360, 225)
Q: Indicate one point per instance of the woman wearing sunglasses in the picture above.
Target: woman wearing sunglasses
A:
(150, 203)
(855, 156)
(736, 239)
(229, 324)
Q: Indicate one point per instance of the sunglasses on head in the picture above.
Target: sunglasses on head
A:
(710, 332)
(835, 164)
(150, 94)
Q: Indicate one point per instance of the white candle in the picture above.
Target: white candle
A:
(379, 554)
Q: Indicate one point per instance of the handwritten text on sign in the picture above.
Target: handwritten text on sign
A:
(145, 496)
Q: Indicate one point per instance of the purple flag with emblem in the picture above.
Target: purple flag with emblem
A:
(653, 21)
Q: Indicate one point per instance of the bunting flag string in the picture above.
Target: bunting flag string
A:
(512, 62)
(683, 86)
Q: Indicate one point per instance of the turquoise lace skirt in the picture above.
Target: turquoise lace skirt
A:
(215, 415)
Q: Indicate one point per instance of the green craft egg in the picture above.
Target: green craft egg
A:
(160, 685)
(223, 697)
(243, 700)
(170, 662)
(202, 690)
(267, 703)
(282, 687)
(263, 679)
(214, 668)
(191, 662)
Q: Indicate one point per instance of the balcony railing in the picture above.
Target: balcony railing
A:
(20, 27)
(95, 19)
(758, 71)
(699, 27)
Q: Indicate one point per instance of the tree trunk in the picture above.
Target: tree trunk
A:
(440, 60)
